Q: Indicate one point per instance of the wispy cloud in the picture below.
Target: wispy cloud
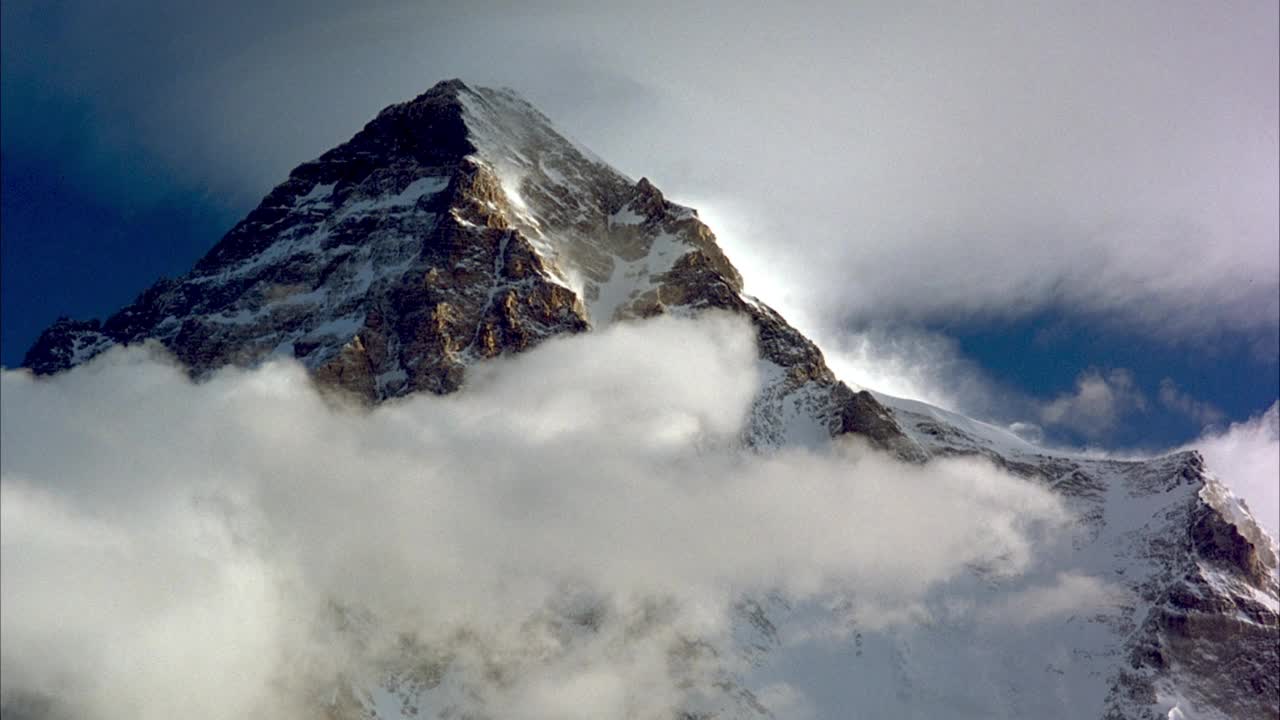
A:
(1069, 593)
(1178, 400)
(929, 366)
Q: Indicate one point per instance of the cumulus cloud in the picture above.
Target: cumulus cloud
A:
(553, 535)
(1246, 457)
(1098, 402)
(893, 160)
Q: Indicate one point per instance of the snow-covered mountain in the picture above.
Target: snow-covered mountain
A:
(461, 226)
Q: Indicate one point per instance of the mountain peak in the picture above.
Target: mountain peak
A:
(452, 86)
(441, 91)
(453, 227)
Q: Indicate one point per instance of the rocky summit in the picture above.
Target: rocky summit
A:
(460, 226)
(456, 227)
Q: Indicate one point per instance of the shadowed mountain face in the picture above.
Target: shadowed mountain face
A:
(460, 226)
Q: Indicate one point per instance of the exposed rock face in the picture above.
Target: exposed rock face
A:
(453, 228)
(460, 226)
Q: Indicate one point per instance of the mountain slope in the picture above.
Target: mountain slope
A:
(460, 226)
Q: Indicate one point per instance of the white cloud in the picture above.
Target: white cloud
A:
(919, 365)
(159, 533)
(929, 366)
(1097, 404)
(1246, 457)
(915, 365)
(1030, 432)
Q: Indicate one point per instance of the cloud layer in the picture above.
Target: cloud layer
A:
(158, 533)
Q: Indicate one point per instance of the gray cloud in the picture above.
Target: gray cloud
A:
(157, 533)
(888, 161)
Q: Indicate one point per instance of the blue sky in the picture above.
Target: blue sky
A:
(903, 178)
(1045, 354)
(69, 250)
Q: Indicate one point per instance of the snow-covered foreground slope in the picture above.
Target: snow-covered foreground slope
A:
(460, 227)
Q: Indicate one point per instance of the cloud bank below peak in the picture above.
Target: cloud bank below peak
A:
(217, 522)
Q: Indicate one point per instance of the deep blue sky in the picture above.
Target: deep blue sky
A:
(68, 251)
(899, 170)
(1043, 355)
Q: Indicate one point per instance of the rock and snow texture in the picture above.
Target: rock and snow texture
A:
(453, 228)
(460, 226)
(1191, 624)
